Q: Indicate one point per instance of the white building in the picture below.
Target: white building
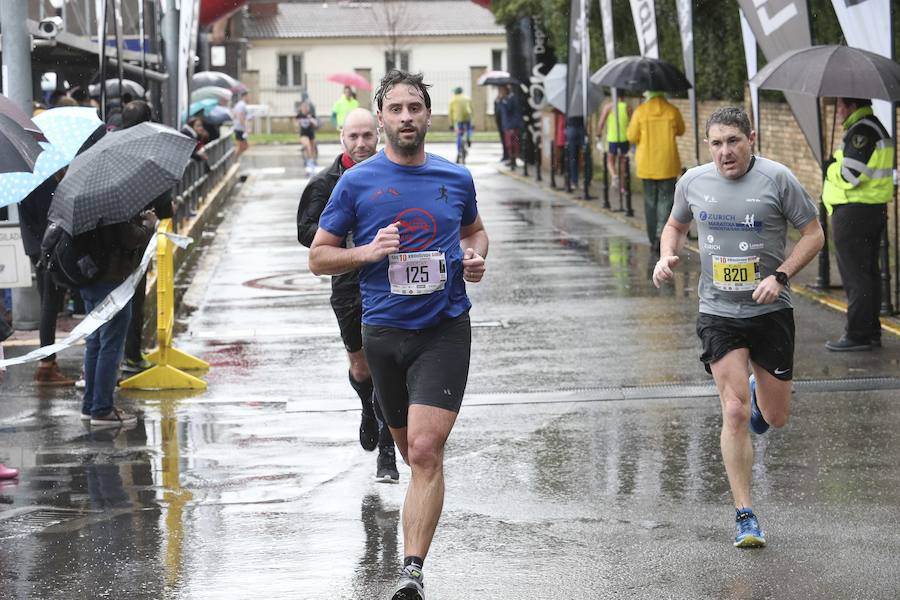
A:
(294, 46)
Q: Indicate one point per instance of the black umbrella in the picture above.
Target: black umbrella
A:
(215, 79)
(641, 74)
(834, 72)
(12, 110)
(18, 148)
(112, 89)
(118, 176)
(500, 81)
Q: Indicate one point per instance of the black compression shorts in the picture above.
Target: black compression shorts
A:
(419, 366)
(348, 310)
(769, 337)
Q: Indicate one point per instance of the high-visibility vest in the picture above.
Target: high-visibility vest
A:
(621, 134)
(875, 182)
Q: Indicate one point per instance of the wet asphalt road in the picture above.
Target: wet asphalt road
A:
(585, 462)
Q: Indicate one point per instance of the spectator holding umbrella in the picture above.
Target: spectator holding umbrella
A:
(512, 120)
(858, 185)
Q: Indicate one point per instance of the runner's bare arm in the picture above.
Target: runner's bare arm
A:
(473, 240)
(811, 241)
(671, 242)
(327, 257)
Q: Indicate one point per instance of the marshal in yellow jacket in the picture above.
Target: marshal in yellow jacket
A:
(653, 128)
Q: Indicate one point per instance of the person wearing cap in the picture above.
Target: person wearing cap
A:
(653, 128)
(460, 113)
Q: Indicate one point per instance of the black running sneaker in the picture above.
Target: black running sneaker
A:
(387, 465)
(411, 585)
(368, 429)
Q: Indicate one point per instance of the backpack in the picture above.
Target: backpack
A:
(73, 261)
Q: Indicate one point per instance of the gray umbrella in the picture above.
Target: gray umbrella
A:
(555, 92)
(117, 177)
(833, 72)
(18, 149)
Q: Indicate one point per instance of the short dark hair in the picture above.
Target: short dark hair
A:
(135, 112)
(857, 102)
(730, 116)
(396, 77)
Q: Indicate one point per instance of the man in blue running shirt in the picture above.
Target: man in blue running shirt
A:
(742, 205)
(417, 239)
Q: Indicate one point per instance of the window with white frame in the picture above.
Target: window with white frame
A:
(396, 59)
(497, 60)
(290, 70)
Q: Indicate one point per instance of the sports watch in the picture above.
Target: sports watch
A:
(781, 277)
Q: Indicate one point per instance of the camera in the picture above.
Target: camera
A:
(50, 27)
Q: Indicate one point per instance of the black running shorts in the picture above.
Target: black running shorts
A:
(240, 135)
(419, 366)
(348, 310)
(769, 337)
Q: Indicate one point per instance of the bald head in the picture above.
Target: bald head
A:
(360, 134)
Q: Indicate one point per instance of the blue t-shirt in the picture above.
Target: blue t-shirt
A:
(431, 201)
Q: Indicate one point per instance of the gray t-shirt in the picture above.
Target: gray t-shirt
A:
(742, 226)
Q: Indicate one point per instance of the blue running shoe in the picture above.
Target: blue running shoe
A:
(758, 424)
(749, 533)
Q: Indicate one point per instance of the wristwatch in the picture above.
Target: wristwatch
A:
(781, 277)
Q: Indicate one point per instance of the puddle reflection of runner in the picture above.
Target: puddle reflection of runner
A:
(380, 556)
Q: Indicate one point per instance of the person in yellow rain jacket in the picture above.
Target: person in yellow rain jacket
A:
(858, 184)
(460, 114)
(653, 128)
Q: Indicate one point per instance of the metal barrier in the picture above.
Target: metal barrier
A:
(166, 375)
(202, 176)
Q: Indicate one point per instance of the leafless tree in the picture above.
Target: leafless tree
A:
(394, 21)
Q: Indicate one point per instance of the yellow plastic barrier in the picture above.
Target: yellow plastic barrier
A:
(167, 374)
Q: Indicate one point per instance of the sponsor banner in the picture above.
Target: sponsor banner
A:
(780, 26)
(750, 56)
(15, 266)
(103, 312)
(644, 14)
(609, 39)
(867, 24)
(686, 27)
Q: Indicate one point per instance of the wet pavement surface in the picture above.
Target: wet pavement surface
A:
(585, 462)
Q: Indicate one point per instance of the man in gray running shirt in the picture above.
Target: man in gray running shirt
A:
(742, 205)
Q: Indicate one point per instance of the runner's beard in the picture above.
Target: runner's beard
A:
(408, 147)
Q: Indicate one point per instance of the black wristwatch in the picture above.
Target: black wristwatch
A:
(781, 277)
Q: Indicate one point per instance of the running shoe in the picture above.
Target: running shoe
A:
(129, 365)
(387, 465)
(114, 418)
(368, 430)
(749, 533)
(758, 424)
(411, 585)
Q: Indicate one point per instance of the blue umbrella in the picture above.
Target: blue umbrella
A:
(69, 127)
(15, 187)
(204, 105)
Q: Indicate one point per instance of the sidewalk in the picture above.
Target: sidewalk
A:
(803, 283)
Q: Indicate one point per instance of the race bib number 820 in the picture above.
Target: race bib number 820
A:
(735, 273)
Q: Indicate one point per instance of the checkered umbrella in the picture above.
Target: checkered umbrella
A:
(117, 177)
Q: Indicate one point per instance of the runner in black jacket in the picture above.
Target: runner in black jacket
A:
(359, 138)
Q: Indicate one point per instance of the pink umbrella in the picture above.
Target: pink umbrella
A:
(351, 79)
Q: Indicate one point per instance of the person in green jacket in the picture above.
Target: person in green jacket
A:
(343, 106)
(858, 184)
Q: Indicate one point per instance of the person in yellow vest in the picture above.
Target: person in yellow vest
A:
(653, 128)
(616, 124)
(460, 115)
(343, 106)
(858, 185)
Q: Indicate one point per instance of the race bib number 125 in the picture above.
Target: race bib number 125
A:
(417, 273)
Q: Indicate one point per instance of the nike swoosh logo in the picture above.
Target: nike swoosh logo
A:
(781, 371)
